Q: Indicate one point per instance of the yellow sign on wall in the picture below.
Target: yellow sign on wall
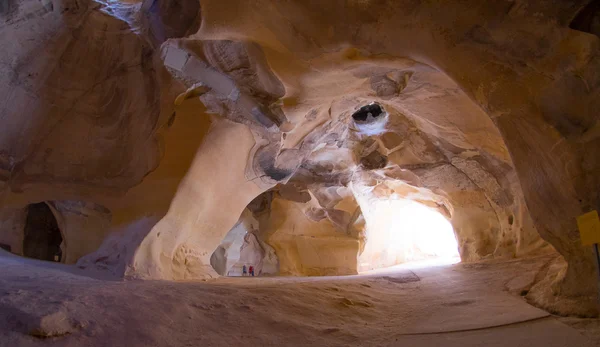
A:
(589, 228)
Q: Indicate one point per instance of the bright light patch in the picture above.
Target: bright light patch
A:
(421, 231)
(401, 231)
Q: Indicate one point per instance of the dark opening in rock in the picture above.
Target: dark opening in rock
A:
(368, 113)
(588, 19)
(42, 236)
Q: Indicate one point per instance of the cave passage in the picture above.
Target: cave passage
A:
(402, 231)
(42, 237)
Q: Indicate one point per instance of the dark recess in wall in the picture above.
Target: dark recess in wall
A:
(42, 238)
(588, 19)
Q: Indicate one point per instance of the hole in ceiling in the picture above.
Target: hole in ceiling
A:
(370, 119)
(368, 113)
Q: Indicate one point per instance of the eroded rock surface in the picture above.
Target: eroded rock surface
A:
(175, 117)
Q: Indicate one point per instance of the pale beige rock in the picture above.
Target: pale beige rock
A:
(489, 117)
(306, 246)
(203, 210)
(229, 251)
(257, 254)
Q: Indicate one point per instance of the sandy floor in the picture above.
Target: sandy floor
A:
(452, 305)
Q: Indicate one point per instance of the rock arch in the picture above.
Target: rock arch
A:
(508, 67)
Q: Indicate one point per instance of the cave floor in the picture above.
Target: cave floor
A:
(452, 305)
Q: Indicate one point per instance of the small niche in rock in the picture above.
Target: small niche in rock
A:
(370, 119)
(588, 19)
(374, 160)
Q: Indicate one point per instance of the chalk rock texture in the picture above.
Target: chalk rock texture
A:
(153, 125)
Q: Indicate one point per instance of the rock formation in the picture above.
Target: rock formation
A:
(149, 127)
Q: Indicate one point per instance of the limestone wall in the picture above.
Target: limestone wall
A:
(489, 106)
(12, 226)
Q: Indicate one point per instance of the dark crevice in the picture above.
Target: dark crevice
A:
(588, 19)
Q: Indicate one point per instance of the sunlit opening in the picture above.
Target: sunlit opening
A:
(401, 231)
